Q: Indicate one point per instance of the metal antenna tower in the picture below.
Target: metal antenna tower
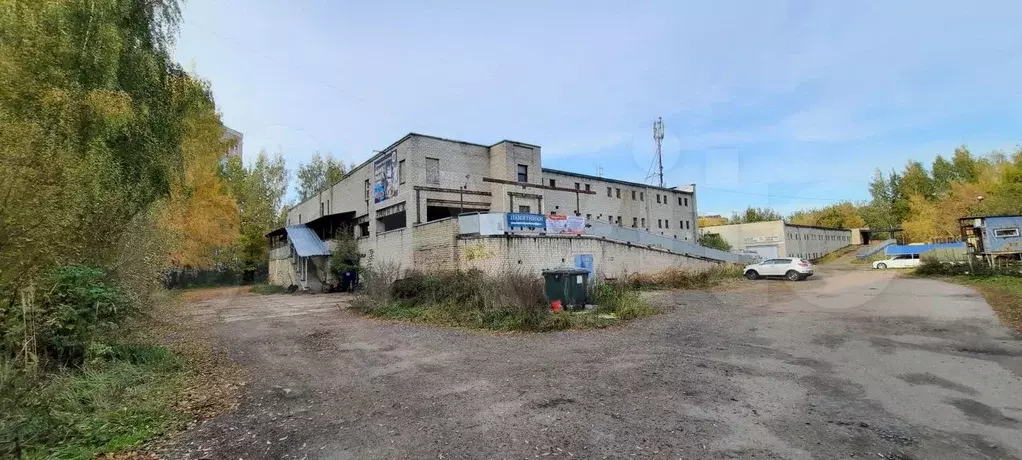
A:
(658, 137)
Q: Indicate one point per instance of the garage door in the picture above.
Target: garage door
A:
(766, 252)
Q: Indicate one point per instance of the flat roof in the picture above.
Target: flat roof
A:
(615, 181)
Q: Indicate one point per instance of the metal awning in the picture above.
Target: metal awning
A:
(306, 242)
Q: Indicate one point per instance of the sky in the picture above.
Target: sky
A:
(787, 104)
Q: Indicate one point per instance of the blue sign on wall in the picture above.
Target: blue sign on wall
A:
(585, 262)
(523, 220)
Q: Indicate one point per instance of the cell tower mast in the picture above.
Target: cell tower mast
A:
(658, 137)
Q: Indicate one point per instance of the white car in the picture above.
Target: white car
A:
(793, 269)
(898, 261)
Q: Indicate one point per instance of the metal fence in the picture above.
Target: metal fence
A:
(184, 279)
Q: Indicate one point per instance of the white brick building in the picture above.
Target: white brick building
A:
(390, 199)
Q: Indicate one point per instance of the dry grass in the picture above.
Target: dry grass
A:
(718, 276)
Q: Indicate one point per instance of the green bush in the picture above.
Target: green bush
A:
(620, 300)
(975, 267)
(58, 323)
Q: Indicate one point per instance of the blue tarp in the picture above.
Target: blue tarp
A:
(306, 242)
(920, 248)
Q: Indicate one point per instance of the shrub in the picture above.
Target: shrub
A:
(620, 300)
(59, 323)
(971, 267)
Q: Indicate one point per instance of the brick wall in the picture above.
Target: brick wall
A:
(533, 254)
(434, 245)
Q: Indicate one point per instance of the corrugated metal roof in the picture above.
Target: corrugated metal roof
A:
(306, 242)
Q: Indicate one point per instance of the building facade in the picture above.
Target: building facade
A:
(779, 239)
(236, 140)
(420, 179)
(389, 201)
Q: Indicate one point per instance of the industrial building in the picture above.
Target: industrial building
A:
(401, 204)
(993, 237)
(780, 239)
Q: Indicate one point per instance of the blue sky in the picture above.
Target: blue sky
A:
(767, 103)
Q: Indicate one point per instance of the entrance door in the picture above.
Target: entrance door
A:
(765, 251)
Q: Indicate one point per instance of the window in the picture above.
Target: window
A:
(401, 171)
(432, 170)
(667, 223)
(679, 201)
(320, 208)
(635, 222)
(659, 223)
(688, 225)
(587, 188)
(618, 192)
(525, 209)
(523, 173)
(577, 186)
(610, 219)
(686, 201)
(589, 216)
(619, 220)
(642, 196)
(367, 189)
(658, 198)
(1005, 232)
(633, 195)
(553, 183)
(609, 192)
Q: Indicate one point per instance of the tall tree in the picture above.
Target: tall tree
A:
(318, 174)
(259, 191)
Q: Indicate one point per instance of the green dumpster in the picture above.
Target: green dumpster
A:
(568, 285)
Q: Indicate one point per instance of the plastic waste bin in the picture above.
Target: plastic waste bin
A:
(570, 286)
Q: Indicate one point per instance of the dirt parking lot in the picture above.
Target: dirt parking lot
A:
(848, 364)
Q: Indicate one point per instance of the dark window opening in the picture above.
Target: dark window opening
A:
(587, 188)
(553, 183)
(523, 173)
(618, 192)
(391, 222)
(635, 222)
(659, 223)
(657, 198)
(643, 222)
(363, 229)
(633, 195)
(642, 196)
(524, 209)
(609, 192)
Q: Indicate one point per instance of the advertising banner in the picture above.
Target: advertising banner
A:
(524, 221)
(385, 177)
(565, 225)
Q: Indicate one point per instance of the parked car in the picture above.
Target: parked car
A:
(898, 261)
(793, 269)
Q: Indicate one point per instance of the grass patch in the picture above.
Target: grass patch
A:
(116, 401)
(835, 255)
(505, 302)
(1003, 293)
(676, 278)
(268, 289)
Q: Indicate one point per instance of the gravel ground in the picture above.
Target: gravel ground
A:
(850, 363)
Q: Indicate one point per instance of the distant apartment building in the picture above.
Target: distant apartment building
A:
(780, 239)
(237, 141)
(400, 203)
